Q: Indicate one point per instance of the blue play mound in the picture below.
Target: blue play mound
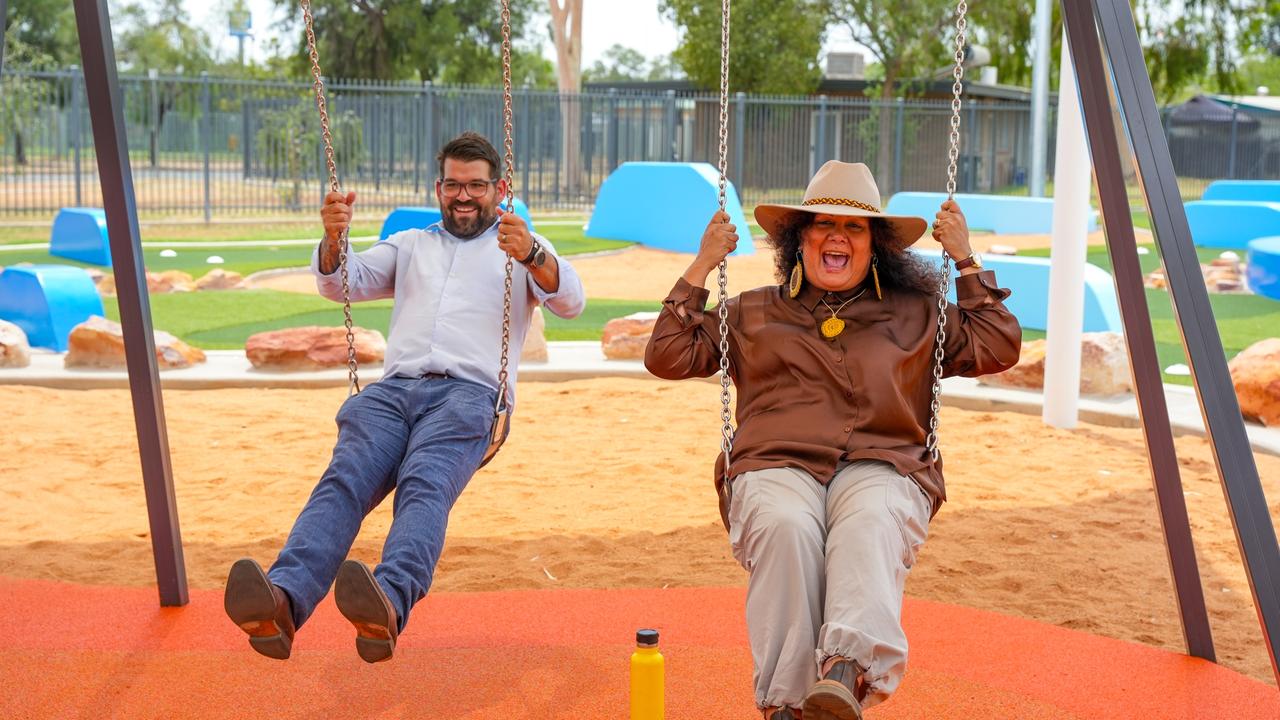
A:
(418, 218)
(1264, 267)
(1001, 214)
(47, 301)
(1231, 223)
(1028, 279)
(664, 205)
(1246, 190)
(81, 234)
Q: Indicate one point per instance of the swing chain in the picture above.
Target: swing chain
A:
(353, 378)
(509, 176)
(953, 156)
(726, 412)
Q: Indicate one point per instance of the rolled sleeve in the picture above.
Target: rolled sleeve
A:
(681, 345)
(983, 337)
(370, 274)
(570, 299)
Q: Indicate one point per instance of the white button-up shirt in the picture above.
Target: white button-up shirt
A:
(447, 314)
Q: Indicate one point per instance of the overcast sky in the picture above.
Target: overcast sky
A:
(633, 23)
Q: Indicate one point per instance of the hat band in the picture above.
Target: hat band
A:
(842, 201)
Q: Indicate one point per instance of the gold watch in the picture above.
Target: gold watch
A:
(974, 260)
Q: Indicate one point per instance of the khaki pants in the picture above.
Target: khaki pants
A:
(827, 570)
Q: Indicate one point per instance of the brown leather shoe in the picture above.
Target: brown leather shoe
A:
(837, 695)
(260, 609)
(363, 602)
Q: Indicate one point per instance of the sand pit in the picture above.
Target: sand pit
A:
(606, 483)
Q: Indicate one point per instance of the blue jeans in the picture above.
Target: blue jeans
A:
(423, 438)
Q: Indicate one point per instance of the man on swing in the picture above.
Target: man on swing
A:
(423, 429)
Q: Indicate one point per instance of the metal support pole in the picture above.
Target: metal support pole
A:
(106, 112)
(526, 154)
(1040, 96)
(154, 115)
(246, 140)
(970, 151)
(820, 146)
(739, 143)
(671, 126)
(1218, 403)
(430, 133)
(206, 120)
(1231, 156)
(77, 132)
(1104, 148)
(613, 130)
(899, 126)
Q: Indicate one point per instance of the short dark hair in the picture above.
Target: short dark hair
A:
(467, 147)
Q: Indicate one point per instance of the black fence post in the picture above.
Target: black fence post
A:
(77, 109)
(820, 147)
(1231, 156)
(672, 153)
(206, 121)
(612, 160)
(429, 134)
(739, 144)
(898, 126)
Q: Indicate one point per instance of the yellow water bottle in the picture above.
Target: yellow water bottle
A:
(646, 678)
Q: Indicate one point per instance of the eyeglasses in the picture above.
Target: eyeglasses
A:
(475, 188)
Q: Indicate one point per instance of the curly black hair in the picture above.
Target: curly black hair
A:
(898, 268)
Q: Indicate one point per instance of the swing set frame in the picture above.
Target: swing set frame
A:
(1108, 58)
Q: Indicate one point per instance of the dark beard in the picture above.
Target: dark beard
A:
(468, 229)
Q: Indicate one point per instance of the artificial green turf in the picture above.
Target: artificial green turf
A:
(224, 320)
(254, 259)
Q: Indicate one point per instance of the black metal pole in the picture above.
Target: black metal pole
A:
(107, 116)
(1104, 148)
(1221, 410)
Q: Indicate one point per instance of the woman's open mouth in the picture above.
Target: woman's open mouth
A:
(834, 262)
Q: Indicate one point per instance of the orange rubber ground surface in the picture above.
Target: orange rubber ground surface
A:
(70, 651)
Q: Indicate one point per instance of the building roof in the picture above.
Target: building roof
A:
(1263, 103)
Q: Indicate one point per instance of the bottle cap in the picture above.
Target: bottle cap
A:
(646, 637)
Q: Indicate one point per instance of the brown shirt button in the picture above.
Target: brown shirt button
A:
(839, 358)
(848, 394)
(848, 429)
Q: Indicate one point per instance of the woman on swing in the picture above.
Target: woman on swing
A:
(832, 482)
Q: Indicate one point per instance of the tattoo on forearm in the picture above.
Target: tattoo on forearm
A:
(328, 256)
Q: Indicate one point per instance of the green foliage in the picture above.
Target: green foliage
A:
(161, 39)
(40, 35)
(908, 40)
(456, 41)
(289, 138)
(773, 44)
(621, 63)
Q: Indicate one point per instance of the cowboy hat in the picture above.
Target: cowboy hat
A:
(841, 188)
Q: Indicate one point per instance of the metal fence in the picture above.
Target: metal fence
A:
(216, 147)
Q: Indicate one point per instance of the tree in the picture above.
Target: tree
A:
(46, 30)
(773, 44)
(456, 41)
(23, 94)
(619, 62)
(161, 39)
(566, 30)
(909, 41)
(1196, 41)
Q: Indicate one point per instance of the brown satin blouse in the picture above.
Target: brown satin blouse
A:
(808, 402)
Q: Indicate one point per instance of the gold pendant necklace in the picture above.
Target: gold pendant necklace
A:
(833, 326)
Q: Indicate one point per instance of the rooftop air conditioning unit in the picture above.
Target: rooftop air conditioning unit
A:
(845, 66)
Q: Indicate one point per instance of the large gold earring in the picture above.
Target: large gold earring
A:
(797, 277)
(875, 276)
